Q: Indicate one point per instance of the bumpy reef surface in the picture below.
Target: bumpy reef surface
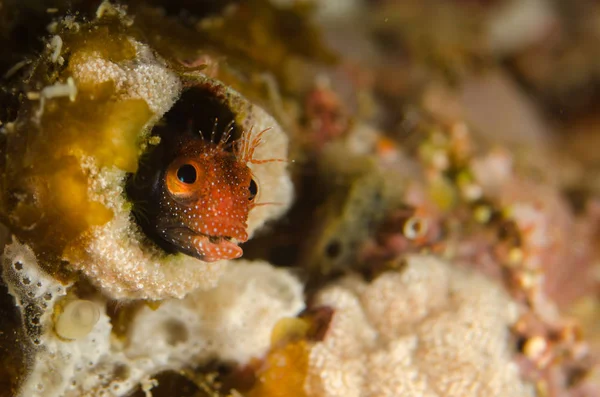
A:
(413, 188)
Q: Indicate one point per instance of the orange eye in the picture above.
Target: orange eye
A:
(182, 177)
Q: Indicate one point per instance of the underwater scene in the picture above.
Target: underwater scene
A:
(300, 198)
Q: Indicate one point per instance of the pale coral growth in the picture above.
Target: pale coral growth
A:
(231, 323)
(275, 189)
(431, 330)
(518, 24)
(60, 366)
(141, 78)
(118, 259)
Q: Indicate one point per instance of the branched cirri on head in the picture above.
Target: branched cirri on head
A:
(203, 196)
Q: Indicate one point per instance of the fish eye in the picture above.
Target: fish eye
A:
(187, 174)
(182, 178)
(253, 188)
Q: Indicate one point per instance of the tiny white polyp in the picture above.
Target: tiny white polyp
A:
(77, 319)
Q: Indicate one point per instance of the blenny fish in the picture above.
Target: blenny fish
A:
(198, 204)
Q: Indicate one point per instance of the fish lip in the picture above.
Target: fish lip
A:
(187, 230)
(181, 239)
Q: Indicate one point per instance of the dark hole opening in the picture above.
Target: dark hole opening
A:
(199, 114)
(196, 114)
(333, 249)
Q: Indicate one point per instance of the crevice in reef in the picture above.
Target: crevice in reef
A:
(195, 116)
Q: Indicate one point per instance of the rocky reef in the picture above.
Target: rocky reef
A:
(299, 198)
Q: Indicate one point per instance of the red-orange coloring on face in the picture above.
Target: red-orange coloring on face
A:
(207, 194)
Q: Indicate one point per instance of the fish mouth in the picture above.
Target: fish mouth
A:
(184, 231)
(206, 247)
